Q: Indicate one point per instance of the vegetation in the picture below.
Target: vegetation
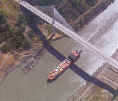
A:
(10, 10)
(76, 7)
(48, 2)
(11, 32)
(77, 2)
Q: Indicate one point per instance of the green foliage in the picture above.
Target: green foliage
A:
(49, 29)
(91, 2)
(5, 48)
(4, 28)
(21, 21)
(85, 2)
(48, 2)
(31, 34)
(2, 18)
(13, 36)
(76, 7)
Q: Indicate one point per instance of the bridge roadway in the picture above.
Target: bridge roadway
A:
(69, 32)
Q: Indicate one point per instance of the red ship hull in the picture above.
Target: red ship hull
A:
(72, 58)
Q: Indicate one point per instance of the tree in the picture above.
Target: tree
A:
(4, 28)
(2, 18)
(48, 2)
(13, 37)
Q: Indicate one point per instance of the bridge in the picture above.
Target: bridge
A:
(68, 32)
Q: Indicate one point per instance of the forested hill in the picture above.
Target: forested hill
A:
(53, 2)
(70, 9)
(12, 27)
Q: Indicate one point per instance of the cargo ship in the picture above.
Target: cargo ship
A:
(72, 58)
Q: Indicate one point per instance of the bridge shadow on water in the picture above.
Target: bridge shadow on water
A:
(33, 25)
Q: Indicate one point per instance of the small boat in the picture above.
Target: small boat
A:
(64, 64)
